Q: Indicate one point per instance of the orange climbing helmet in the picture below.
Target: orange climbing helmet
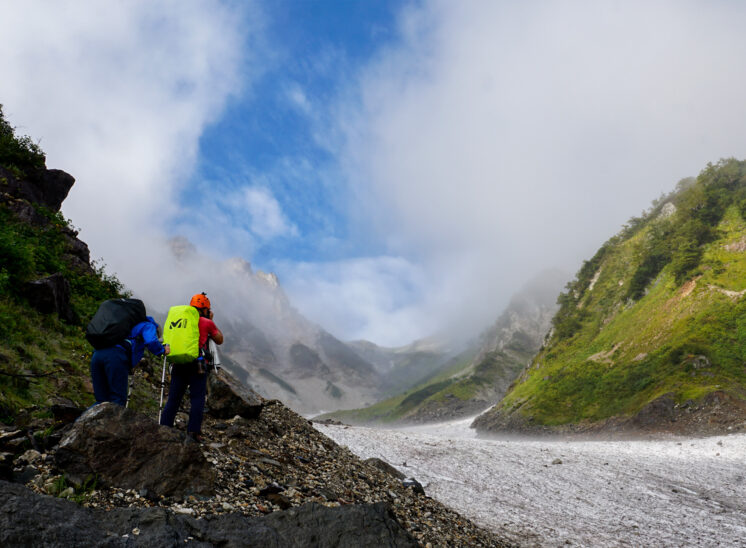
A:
(200, 300)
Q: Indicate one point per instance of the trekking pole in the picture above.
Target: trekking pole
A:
(129, 392)
(163, 384)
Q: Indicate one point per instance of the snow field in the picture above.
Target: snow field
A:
(673, 492)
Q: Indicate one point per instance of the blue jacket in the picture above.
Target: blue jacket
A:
(145, 335)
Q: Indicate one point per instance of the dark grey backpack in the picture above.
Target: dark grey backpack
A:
(113, 322)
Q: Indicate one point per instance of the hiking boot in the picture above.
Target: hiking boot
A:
(196, 436)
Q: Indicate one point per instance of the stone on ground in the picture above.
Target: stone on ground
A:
(227, 397)
(128, 450)
(29, 519)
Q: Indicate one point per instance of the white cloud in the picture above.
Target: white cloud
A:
(265, 215)
(299, 100)
(119, 94)
(501, 137)
(491, 140)
(369, 297)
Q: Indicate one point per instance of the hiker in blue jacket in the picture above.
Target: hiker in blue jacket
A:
(111, 367)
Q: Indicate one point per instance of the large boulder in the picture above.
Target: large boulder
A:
(227, 397)
(53, 186)
(64, 410)
(129, 450)
(6, 466)
(360, 525)
(51, 295)
(28, 519)
(384, 467)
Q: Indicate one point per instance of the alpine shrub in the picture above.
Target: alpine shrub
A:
(16, 152)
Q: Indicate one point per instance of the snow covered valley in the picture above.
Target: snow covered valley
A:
(671, 492)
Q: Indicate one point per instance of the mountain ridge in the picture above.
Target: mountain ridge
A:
(477, 377)
(651, 333)
(277, 480)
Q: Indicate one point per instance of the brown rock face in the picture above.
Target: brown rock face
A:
(51, 295)
(227, 397)
(45, 187)
(129, 450)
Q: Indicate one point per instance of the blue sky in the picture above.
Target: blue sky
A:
(404, 167)
(267, 137)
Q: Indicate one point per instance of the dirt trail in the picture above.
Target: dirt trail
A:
(674, 492)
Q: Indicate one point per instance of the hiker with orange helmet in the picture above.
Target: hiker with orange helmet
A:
(193, 375)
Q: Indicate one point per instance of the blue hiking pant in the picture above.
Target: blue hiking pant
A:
(185, 376)
(110, 368)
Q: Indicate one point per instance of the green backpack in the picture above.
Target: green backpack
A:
(181, 332)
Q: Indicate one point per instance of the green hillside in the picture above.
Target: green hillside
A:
(441, 384)
(657, 312)
(41, 356)
(479, 376)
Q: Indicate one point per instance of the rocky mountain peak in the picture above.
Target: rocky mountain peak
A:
(237, 265)
(269, 279)
(181, 247)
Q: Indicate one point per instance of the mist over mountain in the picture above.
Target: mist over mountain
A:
(649, 336)
(269, 345)
(418, 159)
(478, 375)
(76, 471)
(370, 193)
(406, 366)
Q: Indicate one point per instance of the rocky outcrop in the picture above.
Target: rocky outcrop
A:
(307, 362)
(67, 524)
(228, 397)
(276, 465)
(77, 253)
(44, 187)
(64, 410)
(51, 295)
(130, 450)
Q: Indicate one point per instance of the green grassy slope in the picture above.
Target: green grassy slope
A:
(40, 355)
(396, 408)
(658, 310)
(459, 382)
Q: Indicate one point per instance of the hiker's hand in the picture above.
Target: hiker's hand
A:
(168, 349)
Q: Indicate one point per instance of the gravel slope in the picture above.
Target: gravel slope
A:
(267, 464)
(672, 492)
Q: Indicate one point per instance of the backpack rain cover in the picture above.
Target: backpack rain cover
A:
(181, 332)
(113, 322)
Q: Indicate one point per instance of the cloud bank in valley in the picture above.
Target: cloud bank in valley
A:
(118, 95)
(498, 138)
(481, 142)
